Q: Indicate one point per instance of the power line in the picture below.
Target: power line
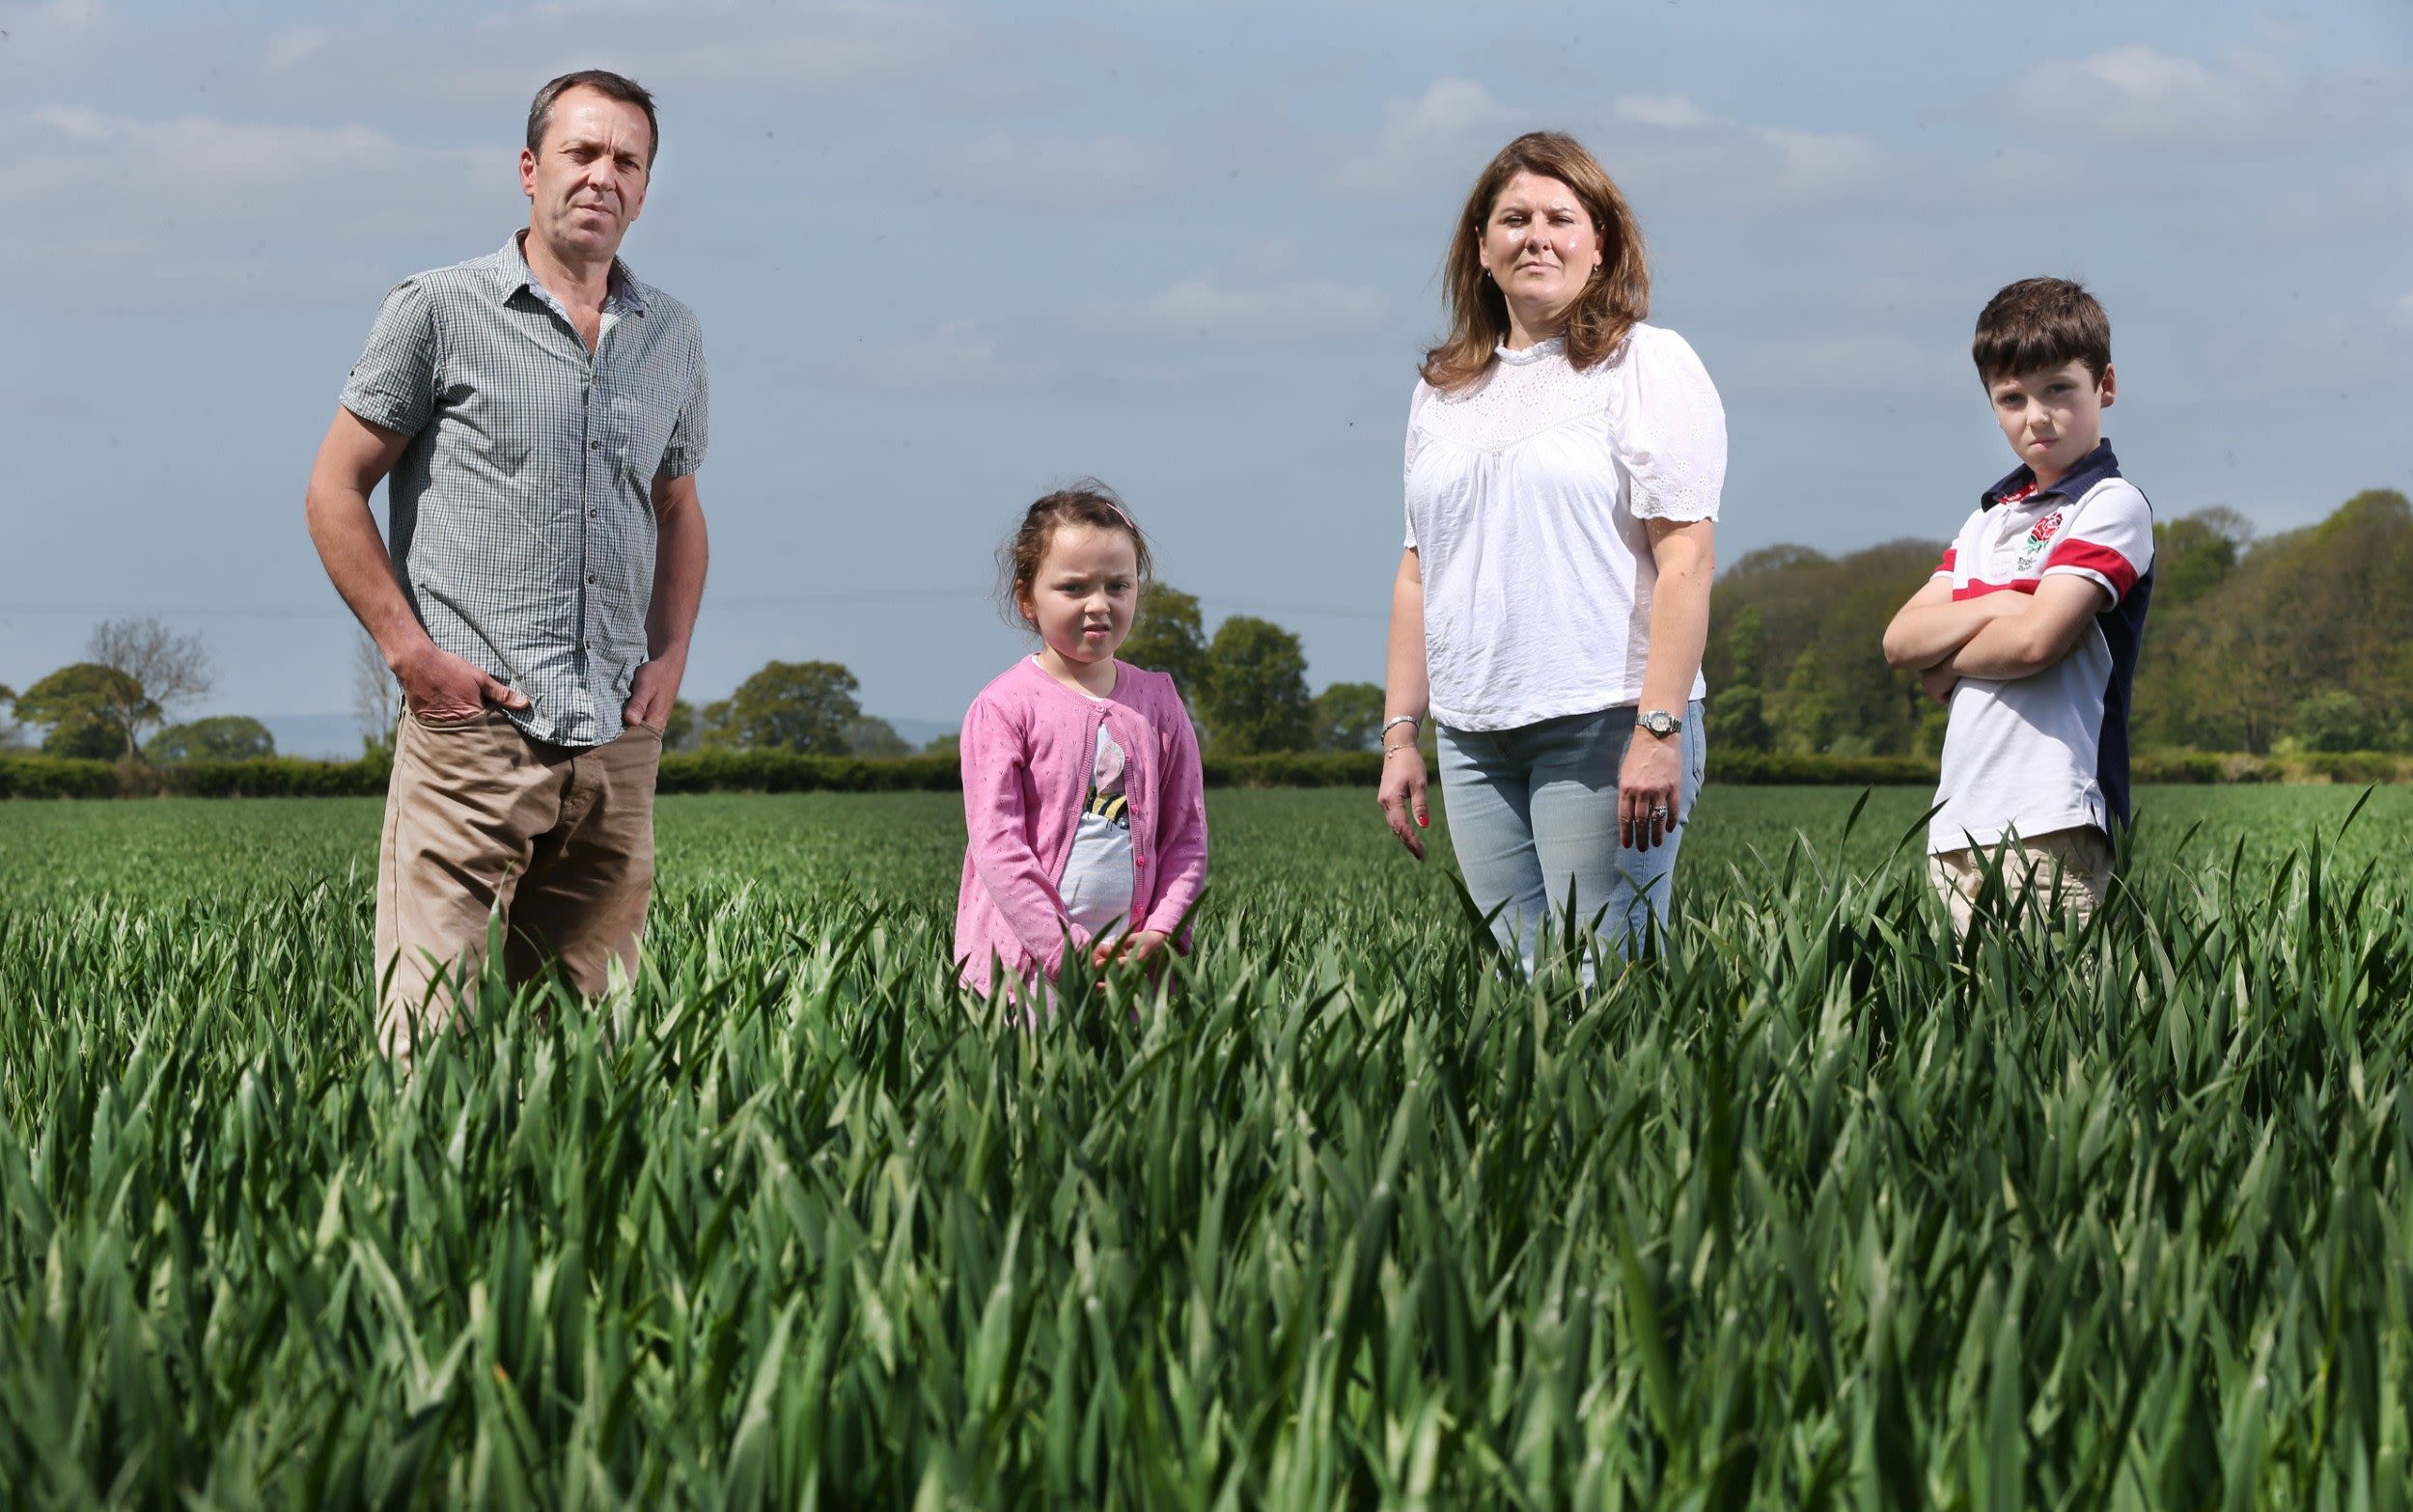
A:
(58, 611)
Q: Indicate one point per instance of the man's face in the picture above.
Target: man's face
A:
(586, 184)
(2053, 415)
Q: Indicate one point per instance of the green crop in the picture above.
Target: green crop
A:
(1811, 1206)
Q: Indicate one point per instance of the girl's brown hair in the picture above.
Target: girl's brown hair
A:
(1617, 296)
(1089, 503)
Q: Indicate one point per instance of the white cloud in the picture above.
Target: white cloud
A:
(1878, 366)
(1446, 132)
(296, 46)
(1447, 108)
(1053, 172)
(1215, 306)
(2143, 95)
(1694, 159)
(1670, 112)
(205, 197)
(961, 352)
(56, 18)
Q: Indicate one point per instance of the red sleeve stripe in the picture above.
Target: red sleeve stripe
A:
(1980, 589)
(1952, 554)
(2087, 556)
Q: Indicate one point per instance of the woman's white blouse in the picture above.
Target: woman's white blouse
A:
(1526, 494)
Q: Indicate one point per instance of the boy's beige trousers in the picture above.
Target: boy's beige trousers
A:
(478, 820)
(2070, 869)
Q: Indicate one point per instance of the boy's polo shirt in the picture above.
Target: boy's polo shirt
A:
(2048, 752)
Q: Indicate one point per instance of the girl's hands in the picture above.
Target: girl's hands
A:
(1402, 795)
(1139, 948)
(1650, 791)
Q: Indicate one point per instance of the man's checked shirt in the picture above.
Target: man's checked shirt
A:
(522, 510)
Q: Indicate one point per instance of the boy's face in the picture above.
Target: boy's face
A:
(2053, 415)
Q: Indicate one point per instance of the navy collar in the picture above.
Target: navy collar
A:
(2091, 469)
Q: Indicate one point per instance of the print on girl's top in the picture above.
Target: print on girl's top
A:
(1097, 882)
(1106, 798)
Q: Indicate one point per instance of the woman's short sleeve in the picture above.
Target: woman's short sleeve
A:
(1407, 463)
(1670, 429)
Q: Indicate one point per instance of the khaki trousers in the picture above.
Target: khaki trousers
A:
(481, 819)
(2067, 869)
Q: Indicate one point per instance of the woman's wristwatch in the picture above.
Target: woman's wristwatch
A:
(1659, 722)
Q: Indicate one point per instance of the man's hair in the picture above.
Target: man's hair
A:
(604, 82)
(2038, 324)
(1597, 324)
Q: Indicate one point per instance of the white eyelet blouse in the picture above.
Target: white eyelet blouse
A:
(1526, 493)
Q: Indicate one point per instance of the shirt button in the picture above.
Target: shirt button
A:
(590, 577)
(594, 446)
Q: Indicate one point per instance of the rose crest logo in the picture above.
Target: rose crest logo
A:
(2043, 530)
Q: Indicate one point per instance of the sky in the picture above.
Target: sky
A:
(948, 256)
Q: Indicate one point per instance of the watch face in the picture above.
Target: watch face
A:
(1659, 722)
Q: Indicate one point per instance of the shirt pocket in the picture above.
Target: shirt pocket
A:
(644, 412)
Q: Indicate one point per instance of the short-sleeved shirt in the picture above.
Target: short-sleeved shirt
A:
(522, 511)
(2048, 752)
(1527, 493)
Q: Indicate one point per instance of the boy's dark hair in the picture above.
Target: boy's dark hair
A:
(2042, 322)
(609, 85)
(1088, 502)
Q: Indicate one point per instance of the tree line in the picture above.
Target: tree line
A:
(115, 703)
(1246, 686)
(2294, 644)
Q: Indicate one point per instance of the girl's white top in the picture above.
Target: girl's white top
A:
(1526, 494)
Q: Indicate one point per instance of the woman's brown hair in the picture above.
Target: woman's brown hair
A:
(1617, 296)
(1087, 501)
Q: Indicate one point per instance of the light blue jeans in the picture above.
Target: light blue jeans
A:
(1533, 815)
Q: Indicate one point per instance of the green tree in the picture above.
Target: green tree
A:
(949, 745)
(1167, 636)
(89, 711)
(221, 737)
(1348, 716)
(678, 726)
(2331, 719)
(8, 723)
(2193, 555)
(162, 667)
(791, 707)
(869, 735)
(1256, 697)
(1805, 710)
(1738, 710)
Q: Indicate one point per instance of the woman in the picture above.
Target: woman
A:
(1563, 463)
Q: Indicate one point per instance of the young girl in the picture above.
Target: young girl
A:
(1082, 796)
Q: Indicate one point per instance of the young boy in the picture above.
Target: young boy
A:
(2030, 627)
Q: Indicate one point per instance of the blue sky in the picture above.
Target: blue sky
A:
(946, 256)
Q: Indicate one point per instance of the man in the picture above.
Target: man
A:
(542, 415)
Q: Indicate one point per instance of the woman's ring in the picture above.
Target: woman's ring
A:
(1658, 810)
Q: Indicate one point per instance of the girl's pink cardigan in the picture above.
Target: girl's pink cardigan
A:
(1029, 743)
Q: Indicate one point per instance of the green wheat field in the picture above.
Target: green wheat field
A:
(1810, 1206)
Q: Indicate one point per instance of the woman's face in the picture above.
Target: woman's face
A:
(1539, 246)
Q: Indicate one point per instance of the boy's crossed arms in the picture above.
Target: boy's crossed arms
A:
(2001, 636)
